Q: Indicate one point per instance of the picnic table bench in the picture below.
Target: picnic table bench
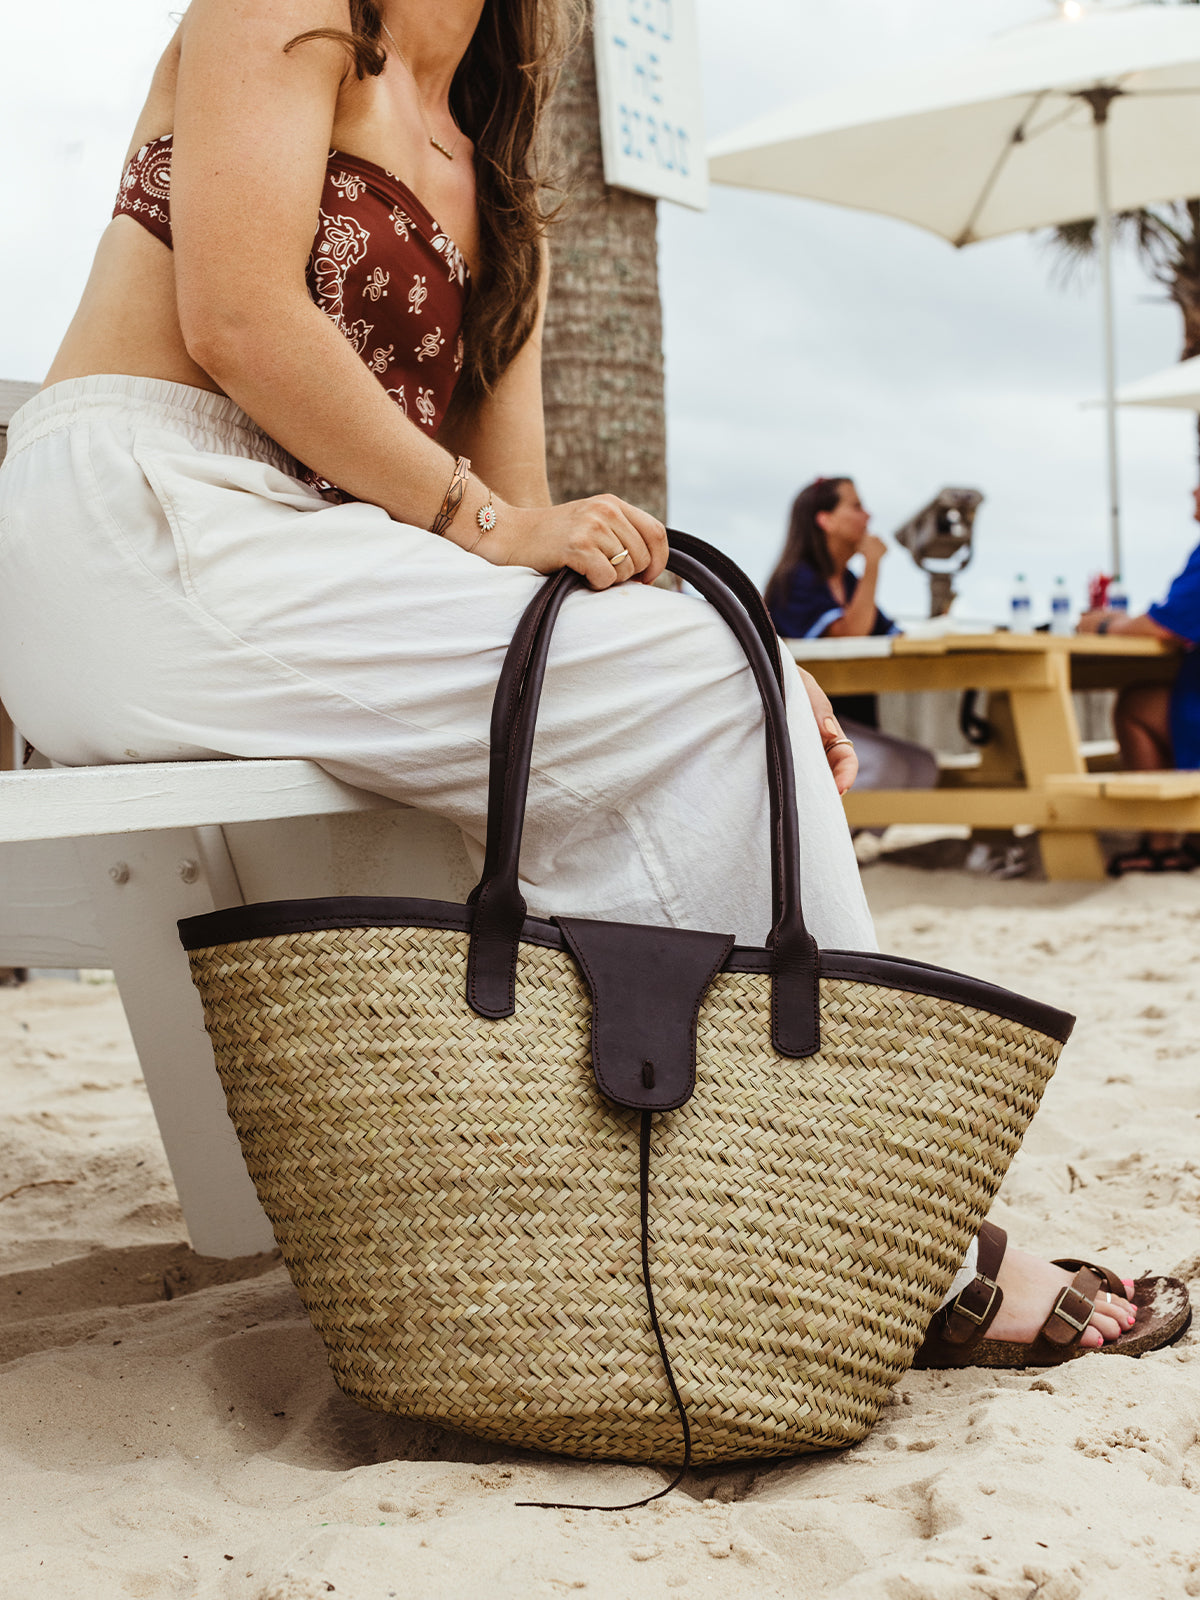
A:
(1034, 770)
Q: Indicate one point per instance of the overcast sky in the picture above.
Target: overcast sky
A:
(805, 340)
(800, 339)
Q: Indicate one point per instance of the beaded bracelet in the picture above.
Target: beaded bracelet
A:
(454, 496)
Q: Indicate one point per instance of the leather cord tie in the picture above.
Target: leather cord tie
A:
(635, 1505)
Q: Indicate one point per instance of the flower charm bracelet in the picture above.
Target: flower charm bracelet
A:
(486, 515)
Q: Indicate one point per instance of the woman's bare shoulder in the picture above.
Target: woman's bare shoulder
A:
(157, 115)
(289, 17)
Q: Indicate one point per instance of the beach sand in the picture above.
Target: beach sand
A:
(168, 1426)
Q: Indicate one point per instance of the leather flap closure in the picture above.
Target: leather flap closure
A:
(646, 986)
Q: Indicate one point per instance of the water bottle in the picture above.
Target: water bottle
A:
(1021, 620)
(1060, 609)
(1118, 599)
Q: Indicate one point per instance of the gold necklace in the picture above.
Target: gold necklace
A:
(435, 142)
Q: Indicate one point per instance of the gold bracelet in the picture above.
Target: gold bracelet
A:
(454, 496)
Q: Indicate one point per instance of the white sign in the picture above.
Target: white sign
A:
(648, 75)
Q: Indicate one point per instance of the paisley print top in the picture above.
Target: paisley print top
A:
(381, 268)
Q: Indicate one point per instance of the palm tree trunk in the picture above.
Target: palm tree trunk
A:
(602, 365)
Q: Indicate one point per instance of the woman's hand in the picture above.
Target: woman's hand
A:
(839, 752)
(874, 549)
(858, 617)
(583, 534)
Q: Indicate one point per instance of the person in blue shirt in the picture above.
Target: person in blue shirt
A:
(1158, 727)
(813, 594)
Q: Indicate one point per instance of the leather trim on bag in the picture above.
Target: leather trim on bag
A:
(795, 993)
(273, 917)
(269, 918)
(918, 977)
(647, 985)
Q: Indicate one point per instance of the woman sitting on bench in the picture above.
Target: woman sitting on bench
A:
(815, 594)
(284, 494)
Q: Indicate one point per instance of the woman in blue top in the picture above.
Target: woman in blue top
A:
(1158, 728)
(813, 594)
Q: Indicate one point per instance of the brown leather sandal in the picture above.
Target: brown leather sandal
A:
(956, 1336)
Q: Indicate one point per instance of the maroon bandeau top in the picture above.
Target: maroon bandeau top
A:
(381, 268)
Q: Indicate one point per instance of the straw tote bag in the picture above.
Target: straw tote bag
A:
(461, 1121)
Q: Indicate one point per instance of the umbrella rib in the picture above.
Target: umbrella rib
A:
(1017, 136)
(1055, 121)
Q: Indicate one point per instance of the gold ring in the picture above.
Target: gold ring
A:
(617, 560)
(832, 742)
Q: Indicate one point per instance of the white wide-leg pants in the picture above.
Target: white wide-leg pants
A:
(169, 591)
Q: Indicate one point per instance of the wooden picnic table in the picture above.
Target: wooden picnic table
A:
(1033, 770)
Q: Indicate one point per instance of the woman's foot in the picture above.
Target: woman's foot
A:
(1157, 852)
(1031, 1287)
(1020, 1311)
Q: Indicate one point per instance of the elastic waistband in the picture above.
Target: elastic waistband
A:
(213, 419)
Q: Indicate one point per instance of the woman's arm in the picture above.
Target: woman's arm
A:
(858, 618)
(505, 436)
(1118, 622)
(252, 135)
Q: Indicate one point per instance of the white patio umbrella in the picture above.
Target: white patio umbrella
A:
(1064, 119)
(1177, 388)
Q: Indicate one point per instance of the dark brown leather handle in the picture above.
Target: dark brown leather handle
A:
(511, 683)
(509, 689)
(499, 906)
(516, 666)
(731, 575)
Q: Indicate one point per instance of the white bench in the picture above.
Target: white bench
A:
(98, 863)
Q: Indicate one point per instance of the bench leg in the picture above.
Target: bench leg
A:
(45, 912)
(1048, 739)
(1075, 857)
(140, 885)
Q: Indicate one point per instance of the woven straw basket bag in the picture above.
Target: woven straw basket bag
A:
(460, 1120)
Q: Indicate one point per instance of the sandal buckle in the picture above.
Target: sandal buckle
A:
(1060, 1309)
(962, 1310)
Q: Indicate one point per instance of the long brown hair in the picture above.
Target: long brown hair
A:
(497, 97)
(805, 543)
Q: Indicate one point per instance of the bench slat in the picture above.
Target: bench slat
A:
(80, 802)
(1129, 785)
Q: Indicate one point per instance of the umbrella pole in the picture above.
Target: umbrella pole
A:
(1100, 100)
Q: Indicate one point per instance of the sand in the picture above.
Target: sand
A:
(169, 1427)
